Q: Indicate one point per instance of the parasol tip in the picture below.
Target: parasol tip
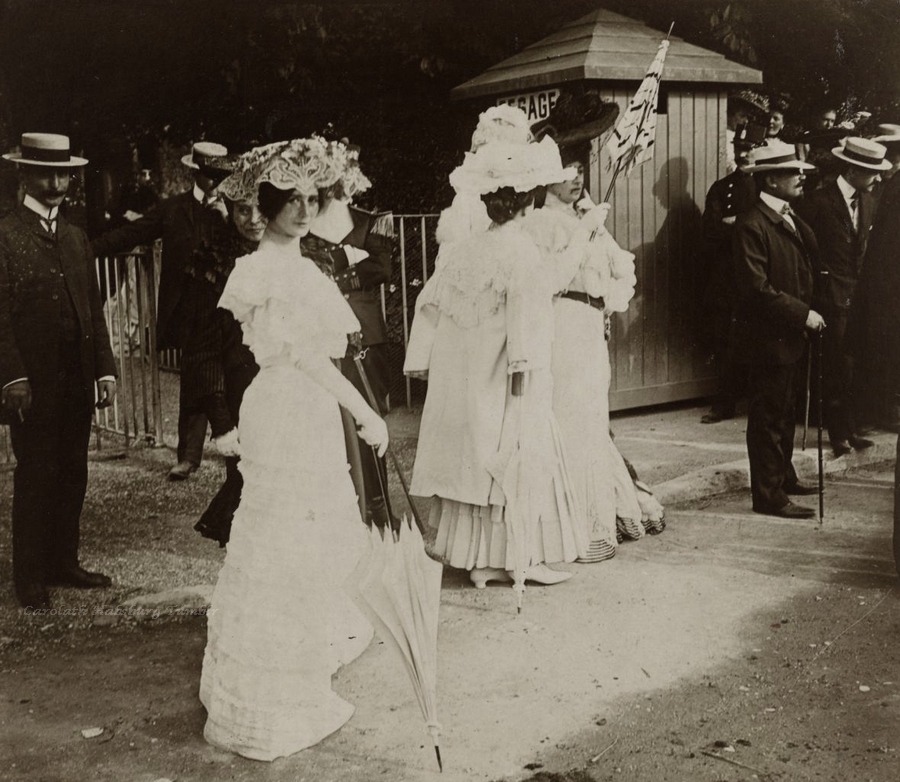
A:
(437, 754)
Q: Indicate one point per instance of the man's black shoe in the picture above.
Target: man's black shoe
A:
(33, 596)
(841, 448)
(182, 471)
(714, 416)
(788, 511)
(859, 443)
(80, 578)
(801, 490)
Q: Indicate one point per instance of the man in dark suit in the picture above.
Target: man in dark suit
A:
(355, 248)
(841, 214)
(775, 255)
(873, 331)
(54, 349)
(183, 222)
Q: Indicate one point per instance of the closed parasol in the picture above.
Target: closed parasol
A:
(398, 587)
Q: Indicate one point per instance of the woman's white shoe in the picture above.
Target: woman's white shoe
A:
(541, 574)
(480, 576)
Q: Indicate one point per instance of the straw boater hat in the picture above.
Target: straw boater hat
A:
(206, 154)
(863, 152)
(776, 156)
(45, 149)
(888, 134)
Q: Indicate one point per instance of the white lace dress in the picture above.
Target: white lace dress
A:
(488, 312)
(280, 623)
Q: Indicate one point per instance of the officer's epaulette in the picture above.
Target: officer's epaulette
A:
(382, 222)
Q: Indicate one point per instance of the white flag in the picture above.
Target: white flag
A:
(632, 141)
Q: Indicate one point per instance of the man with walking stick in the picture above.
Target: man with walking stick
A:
(775, 254)
(841, 215)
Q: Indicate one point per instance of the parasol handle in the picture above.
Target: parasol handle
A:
(357, 359)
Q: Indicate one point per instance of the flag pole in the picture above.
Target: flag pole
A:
(618, 168)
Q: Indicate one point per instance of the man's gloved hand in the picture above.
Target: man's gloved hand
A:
(228, 444)
(17, 396)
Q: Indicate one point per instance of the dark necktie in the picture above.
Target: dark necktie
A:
(49, 225)
(854, 209)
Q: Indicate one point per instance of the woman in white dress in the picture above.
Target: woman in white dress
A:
(604, 283)
(482, 335)
(280, 623)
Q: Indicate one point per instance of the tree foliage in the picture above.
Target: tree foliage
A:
(113, 74)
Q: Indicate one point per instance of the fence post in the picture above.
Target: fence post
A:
(405, 307)
(150, 265)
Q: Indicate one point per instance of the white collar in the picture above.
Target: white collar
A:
(199, 195)
(847, 190)
(554, 202)
(41, 210)
(778, 204)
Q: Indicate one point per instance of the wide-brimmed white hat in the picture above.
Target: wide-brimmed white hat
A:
(45, 149)
(888, 134)
(863, 152)
(500, 164)
(207, 154)
(775, 156)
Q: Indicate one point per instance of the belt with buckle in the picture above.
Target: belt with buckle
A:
(584, 298)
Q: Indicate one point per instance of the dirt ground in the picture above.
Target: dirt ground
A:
(732, 647)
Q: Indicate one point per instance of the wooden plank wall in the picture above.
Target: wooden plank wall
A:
(657, 352)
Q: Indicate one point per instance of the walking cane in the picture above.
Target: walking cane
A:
(808, 394)
(819, 421)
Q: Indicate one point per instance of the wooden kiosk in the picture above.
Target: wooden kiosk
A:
(657, 349)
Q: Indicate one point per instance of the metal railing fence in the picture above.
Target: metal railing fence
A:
(128, 284)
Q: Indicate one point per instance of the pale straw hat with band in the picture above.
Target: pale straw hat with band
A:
(888, 134)
(776, 156)
(863, 152)
(207, 154)
(45, 149)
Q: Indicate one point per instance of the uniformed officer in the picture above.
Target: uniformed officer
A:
(727, 198)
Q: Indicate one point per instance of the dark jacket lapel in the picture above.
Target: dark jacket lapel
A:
(782, 225)
(32, 221)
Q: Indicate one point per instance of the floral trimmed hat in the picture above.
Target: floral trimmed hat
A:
(501, 123)
(522, 167)
(345, 157)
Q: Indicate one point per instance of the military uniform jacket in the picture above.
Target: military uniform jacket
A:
(36, 271)
(727, 198)
(774, 272)
(842, 247)
(179, 222)
(360, 282)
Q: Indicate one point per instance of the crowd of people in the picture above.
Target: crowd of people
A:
(800, 246)
(269, 288)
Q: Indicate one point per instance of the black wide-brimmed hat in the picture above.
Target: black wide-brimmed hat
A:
(576, 118)
(45, 149)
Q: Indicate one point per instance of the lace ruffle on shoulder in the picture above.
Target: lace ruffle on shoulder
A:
(286, 306)
(473, 277)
